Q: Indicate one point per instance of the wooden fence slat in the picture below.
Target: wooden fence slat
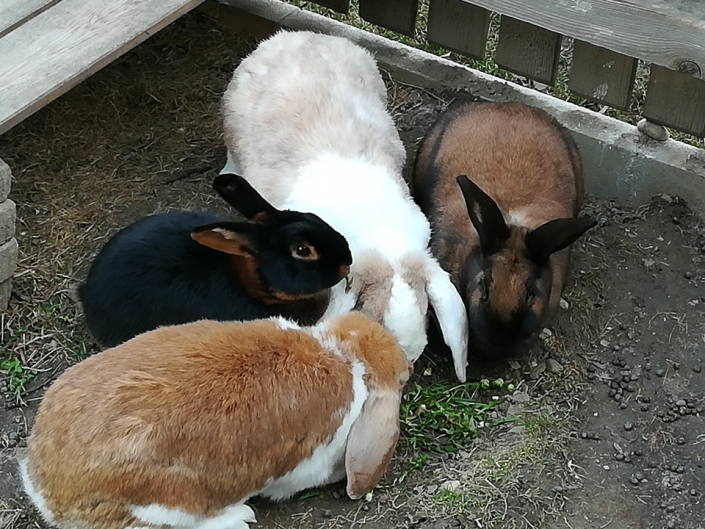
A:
(661, 32)
(15, 12)
(528, 50)
(397, 15)
(54, 51)
(602, 75)
(341, 6)
(676, 100)
(458, 26)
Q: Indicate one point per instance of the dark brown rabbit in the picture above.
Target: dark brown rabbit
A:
(502, 185)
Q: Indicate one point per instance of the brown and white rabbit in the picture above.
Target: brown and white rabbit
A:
(179, 426)
(502, 185)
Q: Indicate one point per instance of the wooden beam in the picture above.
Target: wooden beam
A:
(602, 75)
(14, 13)
(528, 50)
(676, 100)
(73, 39)
(458, 26)
(397, 15)
(638, 28)
(341, 6)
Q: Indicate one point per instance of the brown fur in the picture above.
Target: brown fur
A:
(194, 416)
(515, 153)
(526, 162)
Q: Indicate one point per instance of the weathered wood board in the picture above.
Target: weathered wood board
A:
(54, 51)
(397, 15)
(652, 30)
(602, 75)
(16, 12)
(528, 50)
(676, 100)
(341, 6)
(458, 26)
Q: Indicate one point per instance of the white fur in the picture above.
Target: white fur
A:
(326, 463)
(286, 324)
(408, 326)
(35, 495)
(235, 516)
(306, 123)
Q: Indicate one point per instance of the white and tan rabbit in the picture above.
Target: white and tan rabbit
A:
(179, 426)
(306, 124)
(502, 184)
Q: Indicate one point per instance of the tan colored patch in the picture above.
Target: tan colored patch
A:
(374, 275)
(510, 272)
(235, 404)
(413, 273)
(376, 348)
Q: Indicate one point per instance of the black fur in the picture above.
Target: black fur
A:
(152, 273)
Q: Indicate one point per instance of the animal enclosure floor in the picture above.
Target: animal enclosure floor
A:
(144, 136)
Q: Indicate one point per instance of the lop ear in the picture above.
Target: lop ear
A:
(238, 192)
(555, 235)
(234, 238)
(485, 215)
(372, 440)
(451, 314)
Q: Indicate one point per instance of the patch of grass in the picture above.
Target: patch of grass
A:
(453, 501)
(445, 417)
(19, 375)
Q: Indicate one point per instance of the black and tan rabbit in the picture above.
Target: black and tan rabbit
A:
(502, 185)
(180, 426)
(186, 266)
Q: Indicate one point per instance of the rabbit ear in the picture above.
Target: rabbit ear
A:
(485, 215)
(238, 192)
(556, 235)
(235, 238)
(451, 314)
(372, 440)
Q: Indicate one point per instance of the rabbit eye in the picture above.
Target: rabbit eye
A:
(304, 252)
(530, 294)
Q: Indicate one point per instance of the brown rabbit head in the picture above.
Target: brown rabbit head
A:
(507, 280)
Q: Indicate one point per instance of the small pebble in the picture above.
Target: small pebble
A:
(631, 388)
(647, 366)
(671, 508)
(681, 402)
(591, 376)
(670, 524)
(680, 469)
(619, 457)
(646, 399)
(645, 407)
(638, 452)
(591, 368)
(697, 369)
(633, 377)
(336, 495)
(693, 492)
(628, 426)
(653, 130)
(611, 393)
(622, 405)
(634, 480)
(688, 275)
(660, 372)
(327, 513)
(639, 476)
(676, 366)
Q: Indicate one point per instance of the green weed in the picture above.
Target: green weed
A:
(446, 418)
(19, 375)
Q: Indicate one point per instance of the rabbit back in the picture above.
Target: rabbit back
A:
(233, 412)
(301, 94)
(152, 273)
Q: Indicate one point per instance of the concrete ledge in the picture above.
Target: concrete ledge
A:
(620, 162)
(8, 215)
(5, 180)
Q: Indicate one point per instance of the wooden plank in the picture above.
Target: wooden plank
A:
(341, 6)
(59, 48)
(630, 27)
(528, 50)
(397, 15)
(458, 26)
(14, 13)
(676, 100)
(602, 75)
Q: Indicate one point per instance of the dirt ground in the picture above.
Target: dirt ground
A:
(605, 427)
